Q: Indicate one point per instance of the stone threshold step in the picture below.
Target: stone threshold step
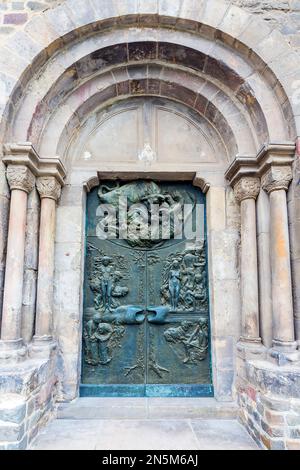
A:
(147, 408)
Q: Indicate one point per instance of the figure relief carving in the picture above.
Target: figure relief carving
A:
(100, 339)
(277, 178)
(247, 188)
(189, 340)
(138, 201)
(146, 317)
(105, 276)
(20, 177)
(184, 285)
(48, 187)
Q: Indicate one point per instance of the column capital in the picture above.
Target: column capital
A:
(247, 187)
(48, 187)
(276, 178)
(20, 177)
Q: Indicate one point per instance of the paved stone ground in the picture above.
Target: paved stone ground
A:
(126, 424)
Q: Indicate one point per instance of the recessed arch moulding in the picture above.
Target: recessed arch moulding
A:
(205, 71)
(199, 63)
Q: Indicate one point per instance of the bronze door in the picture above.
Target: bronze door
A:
(146, 313)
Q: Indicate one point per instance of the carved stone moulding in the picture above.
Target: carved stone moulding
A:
(247, 187)
(24, 155)
(270, 156)
(200, 182)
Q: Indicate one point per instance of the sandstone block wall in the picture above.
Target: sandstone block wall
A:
(28, 393)
(269, 402)
(281, 14)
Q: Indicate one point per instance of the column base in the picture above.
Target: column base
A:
(12, 351)
(42, 345)
(251, 348)
(284, 352)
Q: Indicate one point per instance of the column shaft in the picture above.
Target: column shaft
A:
(21, 182)
(13, 286)
(45, 269)
(246, 191)
(264, 269)
(249, 277)
(283, 325)
(49, 190)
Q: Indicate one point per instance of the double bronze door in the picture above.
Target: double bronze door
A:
(146, 322)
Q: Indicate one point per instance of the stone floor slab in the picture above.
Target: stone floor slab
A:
(146, 424)
(222, 435)
(114, 434)
(144, 408)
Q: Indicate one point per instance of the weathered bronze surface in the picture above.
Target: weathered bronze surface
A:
(146, 317)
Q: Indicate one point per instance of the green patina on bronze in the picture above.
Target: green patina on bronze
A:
(146, 312)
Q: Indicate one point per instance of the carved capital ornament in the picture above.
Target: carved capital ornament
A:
(277, 178)
(247, 188)
(20, 177)
(48, 187)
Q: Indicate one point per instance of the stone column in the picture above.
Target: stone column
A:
(21, 182)
(30, 266)
(264, 269)
(49, 190)
(246, 191)
(276, 182)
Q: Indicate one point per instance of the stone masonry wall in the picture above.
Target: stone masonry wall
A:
(28, 392)
(269, 403)
(15, 14)
(282, 14)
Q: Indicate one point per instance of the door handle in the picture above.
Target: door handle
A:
(158, 315)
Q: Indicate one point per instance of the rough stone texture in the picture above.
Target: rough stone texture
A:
(27, 400)
(282, 15)
(269, 402)
(14, 15)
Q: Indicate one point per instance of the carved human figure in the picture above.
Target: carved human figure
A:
(196, 344)
(107, 280)
(174, 284)
(103, 334)
(189, 261)
(200, 293)
(177, 334)
(90, 340)
(193, 337)
(117, 290)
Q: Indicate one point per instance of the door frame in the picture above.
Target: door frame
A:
(223, 238)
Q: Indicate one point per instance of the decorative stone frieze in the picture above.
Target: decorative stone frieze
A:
(20, 177)
(277, 178)
(247, 188)
(48, 187)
